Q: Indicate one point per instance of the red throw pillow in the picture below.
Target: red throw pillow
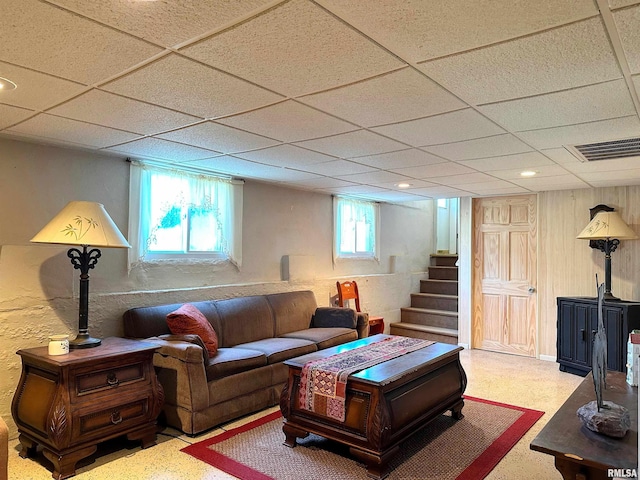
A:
(188, 319)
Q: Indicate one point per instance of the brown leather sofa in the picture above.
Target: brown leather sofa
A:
(255, 335)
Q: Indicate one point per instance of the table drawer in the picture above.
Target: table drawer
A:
(108, 378)
(112, 419)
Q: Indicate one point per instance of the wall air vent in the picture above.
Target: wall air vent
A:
(593, 152)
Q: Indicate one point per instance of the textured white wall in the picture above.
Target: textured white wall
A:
(286, 246)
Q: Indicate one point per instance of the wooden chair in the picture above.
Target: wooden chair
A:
(349, 291)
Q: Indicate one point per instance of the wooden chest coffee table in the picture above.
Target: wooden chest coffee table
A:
(385, 404)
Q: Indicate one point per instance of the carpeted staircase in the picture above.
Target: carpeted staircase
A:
(433, 314)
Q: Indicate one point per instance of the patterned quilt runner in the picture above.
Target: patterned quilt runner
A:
(323, 383)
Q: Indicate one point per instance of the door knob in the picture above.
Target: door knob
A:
(531, 289)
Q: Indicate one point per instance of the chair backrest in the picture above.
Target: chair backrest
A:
(348, 291)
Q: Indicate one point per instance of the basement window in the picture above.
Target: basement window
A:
(176, 214)
(355, 228)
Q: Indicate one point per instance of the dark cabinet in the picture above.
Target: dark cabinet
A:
(577, 324)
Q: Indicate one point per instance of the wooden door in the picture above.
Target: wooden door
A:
(504, 275)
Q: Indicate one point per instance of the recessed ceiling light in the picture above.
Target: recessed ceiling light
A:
(528, 173)
(6, 84)
(403, 185)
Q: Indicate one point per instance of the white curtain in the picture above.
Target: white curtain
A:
(356, 229)
(222, 196)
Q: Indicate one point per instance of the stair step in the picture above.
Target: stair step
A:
(442, 335)
(436, 301)
(430, 317)
(445, 260)
(448, 287)
(443, 273)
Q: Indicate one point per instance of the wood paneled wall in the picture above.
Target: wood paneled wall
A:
(567, 266)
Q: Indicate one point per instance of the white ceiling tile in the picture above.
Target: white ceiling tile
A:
(353, 144)
(560, 155)
(10, 115)
(627, 25)
(494, 188)
(600, 183)
(480, 147)
(156, 148)
(422, 30)
(187, 86)
(531, 65)
(289, 122)
(557, 182)
(427, 172)
(485, 186)
(619, 177)
(60, 129)
(323, 182)
(464, 179)
(446, 128)
(525, 160)
(355, 190)
(629, 164)
(374, 178)
(337, 168)
(165, 23)
(402, 95)
(412, 182)
(234, 166)
(592, 132)
(286, 156)
(586, 104)
(294, 48)
(35, 90)
(217, 137)
(404, 158)
(394, 196)
(541, 171)
(52, 40)
(440, 192)
(614, 4)
(102, 108)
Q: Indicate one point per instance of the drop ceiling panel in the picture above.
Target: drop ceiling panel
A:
(289, 122)
(221, 138)
(404, 158)
(236, 167)
(619, 165)
(592, 132)
(531, 65)
(446, 128)
(541, 171)
(295, 48)
(440, 192)
(323, 182)
(286, 156)
(558, 182)
(355, 190)
(164, 23)
(393, 196)
(354, 144)
(586, 104)
(156, 148)
(464, 179)
(494, 188)
(54, 41)
(187, 86)
(337, 168)
(526, 160)
(427, 172)
(374, 178)
(620, 177)
(627, 25)
(45, 126)
(423, 30)
(621, 3)
(402, 95)
(560, 155)
(10, 115)
(37, 90)
(106, 109)
(481, 147)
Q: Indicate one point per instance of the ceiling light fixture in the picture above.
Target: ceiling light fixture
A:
(528, 173)
(6, 84)
(403, 185)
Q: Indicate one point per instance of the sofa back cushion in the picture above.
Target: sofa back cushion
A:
(244, 319)
(292, 310)
(145, 322)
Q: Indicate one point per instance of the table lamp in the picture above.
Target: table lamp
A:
(607, 229)
(86, 224)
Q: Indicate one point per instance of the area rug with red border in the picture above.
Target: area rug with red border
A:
(466, 449)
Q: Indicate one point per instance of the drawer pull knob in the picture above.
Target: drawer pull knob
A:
(112, 380)
(116, 418)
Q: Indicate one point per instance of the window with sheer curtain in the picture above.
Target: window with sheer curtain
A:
(355, 228)
(177, 214)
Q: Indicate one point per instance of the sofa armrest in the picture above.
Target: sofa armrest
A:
(362, 324)
(180, 367)
(341, 317)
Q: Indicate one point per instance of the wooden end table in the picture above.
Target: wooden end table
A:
(70, 403)
(581, 454)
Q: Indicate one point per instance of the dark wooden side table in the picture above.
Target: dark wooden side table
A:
(581, 454)
(70, 403)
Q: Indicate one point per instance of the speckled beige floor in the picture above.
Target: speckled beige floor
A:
(504, 378)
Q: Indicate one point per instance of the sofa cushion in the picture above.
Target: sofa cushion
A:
(292, 310)
(189, 320)
(280, 349)
(325, 317)
(325, 337)
(229, 361)
(245, 319)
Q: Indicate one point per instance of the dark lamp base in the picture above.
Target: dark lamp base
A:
(83, 340)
